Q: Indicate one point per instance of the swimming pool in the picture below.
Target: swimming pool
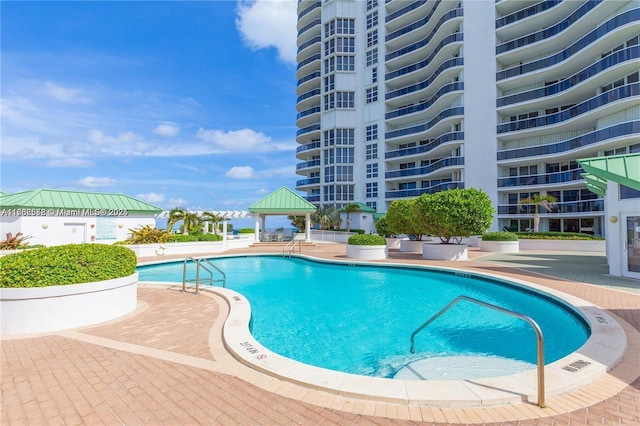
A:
(358, 318)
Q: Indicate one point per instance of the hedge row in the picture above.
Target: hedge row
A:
(500, 236)
(68, 264)
(181, 238)
(367, 240)
(556, 236)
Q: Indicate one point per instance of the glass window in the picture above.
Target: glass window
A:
(554, 225)
(372, 38)
(372, 19)
(372, 57)
(372, 94)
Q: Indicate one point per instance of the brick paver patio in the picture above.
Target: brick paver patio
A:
(166, 364)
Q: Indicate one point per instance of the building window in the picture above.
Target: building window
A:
(329, 193)
(344, 155)
(372, 170)
(329, 47)
(372, 57)
(345, 99)
(329, 101)
(372, 38)
(329, 83)
(329, 138)
(371, 151)
(372, 94)
(329, 174)
(372, 190)
(345, 26)
(374, 74)
(344, 192)
(345, 45)
(329, 28)
(344, 173)
(329, 157)
(345, 63)
(329, 65)
(371, 4)
(372, 132)
(345, 137)
(372, 19)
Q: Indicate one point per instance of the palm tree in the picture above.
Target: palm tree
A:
(327, 217)
(350, 208)
(538, 201)
(191, 221)
(298, 222)
(210, 216)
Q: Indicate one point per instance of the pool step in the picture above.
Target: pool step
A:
(461, 367)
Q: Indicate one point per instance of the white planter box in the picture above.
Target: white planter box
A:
(500, 246)
(393, 243)
(411, 246)
(433, 251)
(61, 307)
(366, 252)
(564, 245)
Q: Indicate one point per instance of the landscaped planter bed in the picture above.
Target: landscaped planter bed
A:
(435, 251)
(366, 252)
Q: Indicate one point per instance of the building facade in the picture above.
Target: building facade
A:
(399, 98)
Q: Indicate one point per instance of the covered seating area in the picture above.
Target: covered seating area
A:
(282, 202)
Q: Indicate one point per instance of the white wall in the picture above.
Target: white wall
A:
(616, 228)
(51, 230)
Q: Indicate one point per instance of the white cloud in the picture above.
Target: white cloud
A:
(98, 137)
(240, 172)
(96, 182)
(167, 129)
(69, 162)
(269, 23)
(64, 94)
(177, 202)
(151, 197)
(245, 140)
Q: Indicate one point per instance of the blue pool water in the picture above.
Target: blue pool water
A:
(359, 319)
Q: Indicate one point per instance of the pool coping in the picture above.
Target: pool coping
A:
(604, 349)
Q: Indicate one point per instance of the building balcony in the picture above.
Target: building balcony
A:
(425, 105)
(307, 182)
(570, 207)
(308, 164)
(308, 129)
(527, 12)
(422, 128)
(416, 192)
(457, 137)
(447, 70)
(570, 176)
(425, 170)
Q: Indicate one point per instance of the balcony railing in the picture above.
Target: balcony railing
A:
(611, 25)
(451, 38)
(308, 146)
(628, 54)
(307, 164)
(310, 76)
(615, 131)
(416, 192)
(622, 92)
(551, 31)
(310, 111)
(308, 129)
(424, 127)
(527, 12)
(411, 27)
(449, 63)
(311, 181)
(424, 170)
(541, 179)
(307, 95)
(452, 87)
(420, 149)
(587, 206)
(413, 5)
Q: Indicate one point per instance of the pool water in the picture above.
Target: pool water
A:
(359, 319)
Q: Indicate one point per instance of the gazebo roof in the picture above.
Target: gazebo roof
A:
(282, 201)
(363, 208)
(623, 169)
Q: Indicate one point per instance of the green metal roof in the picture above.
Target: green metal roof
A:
(74, 200)
(622, 169)
(363, 208)
(282, 201)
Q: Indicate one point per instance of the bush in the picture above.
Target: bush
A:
(210, 237)
(556, 236)
(68, 264)
(354, 230)
(500, 236)
(181, 238)
(14, 242)
(147, 235)
(367, 240)
(246, 231)
(382, 228)
(403, 217)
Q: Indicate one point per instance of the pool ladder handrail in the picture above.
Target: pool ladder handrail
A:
(534, 325)
(199, 264)
(291, 247)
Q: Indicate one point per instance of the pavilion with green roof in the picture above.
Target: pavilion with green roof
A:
(282, 202)
(616, 178)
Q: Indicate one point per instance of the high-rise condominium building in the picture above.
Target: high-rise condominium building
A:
(399, 98)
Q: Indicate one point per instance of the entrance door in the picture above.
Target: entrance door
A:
(74, 233)
(631, 257)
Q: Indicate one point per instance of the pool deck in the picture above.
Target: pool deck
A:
(166, 363)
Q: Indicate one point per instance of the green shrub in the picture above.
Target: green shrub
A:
(68, 264)
(181, 238)
(556, 236)
(147, 235)
(382, 228)
(354, 230)
(500, 236)
(367, 240)
(246, 231)
(210, 237)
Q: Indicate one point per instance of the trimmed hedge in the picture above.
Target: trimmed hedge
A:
(246, 231)
(367, 240)
(500, 236)
(181, 238)
(556, 236)
(68, 264)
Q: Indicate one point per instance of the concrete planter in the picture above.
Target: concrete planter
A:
(411, 246)
(53, 308)
(434, 251)
(500, 246)
(564, 245)
(366, 252)
(393, 243)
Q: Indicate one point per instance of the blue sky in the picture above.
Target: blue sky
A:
(178, 103)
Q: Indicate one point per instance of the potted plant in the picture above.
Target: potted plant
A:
(452, 215)
(382, 228)
(401, 220)
(500, 242)
(63, 287)
(367, 246)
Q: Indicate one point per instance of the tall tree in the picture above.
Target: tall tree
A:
(545, 201)
(350, 208)
(209, 216)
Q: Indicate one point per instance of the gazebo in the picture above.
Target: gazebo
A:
(282, 202)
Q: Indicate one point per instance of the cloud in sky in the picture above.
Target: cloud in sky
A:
(240, 172)
(69, 162)
(96, 182)
(151, 197)
(65, 94)
(167, 129)
(245, 140)
(269, 23)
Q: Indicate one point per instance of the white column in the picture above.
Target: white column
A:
(224, 233)
(256, 235)
(307, 227)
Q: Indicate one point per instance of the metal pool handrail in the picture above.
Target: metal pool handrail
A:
(199, 265)
(534, 325)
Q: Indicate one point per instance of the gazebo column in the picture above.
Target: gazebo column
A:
(257, 228)
(224, 233)
(307, 227)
